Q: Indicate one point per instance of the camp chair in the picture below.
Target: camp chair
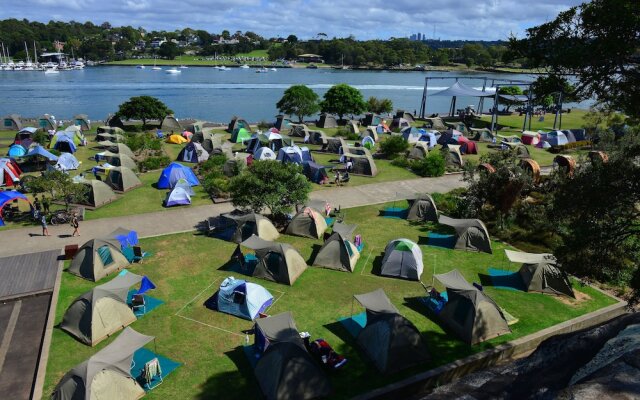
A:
(138, 254)
(138, 302)
(152, 372)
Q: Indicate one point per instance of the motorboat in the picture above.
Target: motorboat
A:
(273, 69)
(49, 71)
(262, 70)
(173, 71)
(140, 67)
(245, 66)
(183, 67)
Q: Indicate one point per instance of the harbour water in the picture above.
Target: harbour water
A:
(213, 95)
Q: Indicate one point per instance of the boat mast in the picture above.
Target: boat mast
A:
(26, 49)
(35, 54)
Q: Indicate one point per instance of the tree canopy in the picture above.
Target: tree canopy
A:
(379, 106)
(598, 41)
(299, 100)
(59, 186)
(143, 108)
(169, 50)
(509, 90)
(270, 184)
(343, 99)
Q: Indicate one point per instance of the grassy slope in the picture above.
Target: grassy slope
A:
(186, 268)
(194, 60)
(572, 120)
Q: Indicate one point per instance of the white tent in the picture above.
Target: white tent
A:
(264, 153)
(67, 162)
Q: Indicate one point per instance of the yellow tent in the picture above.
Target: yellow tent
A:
(176, 139)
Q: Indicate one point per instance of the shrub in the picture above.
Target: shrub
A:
(144, 141)
(154, 162)
(216, 185)
(345, 133)
(394, 145)
(41, 137)
(432, 165)
(569, 146)
(55, 152)
(214, 163)
(401, 161)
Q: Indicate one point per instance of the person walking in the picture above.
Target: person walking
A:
(45, 205)
(36, 204)
(75, 224)
(43, 223)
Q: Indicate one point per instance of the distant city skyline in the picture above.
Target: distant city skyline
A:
(364, 19)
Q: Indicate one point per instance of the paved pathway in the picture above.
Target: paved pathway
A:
(184, 219)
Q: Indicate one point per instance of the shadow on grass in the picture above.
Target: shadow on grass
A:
(237, 384)
(376, 265)
(315, 249)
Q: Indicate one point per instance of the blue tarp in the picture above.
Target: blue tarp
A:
(40, 151)
(143, 356)
(174, 172)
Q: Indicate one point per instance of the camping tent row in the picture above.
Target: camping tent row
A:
(553, 138)
(278, 262)
(116, 148)
(106, 374)
(271, 140)
(339, 252)
(285, 369)
(389, 340)
(472, 315)
(97, 314)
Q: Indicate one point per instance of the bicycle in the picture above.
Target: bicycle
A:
(61, 217)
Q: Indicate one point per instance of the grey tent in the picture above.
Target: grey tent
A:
(520, 149)
(540, 273)
(98, 193)
(193, 152)
(120, 148)
(327, 121)
(278, 262)
(338, 252)
(307, 223)
(11, 122)
(106, 374)
(318, 137)
(82, 121)
(405, 115)
(103, 310)
(170, 124)
(244, 225)
(238, 123)
(285, 370)
(282, 122)
(114, 121)
(353, 127)
(388, 339)
(98, 258)
(469, 313)
(47, 123)
(419, 151)
(399, 123)
(119, 160)
(362, 161)
(436, 123)
(453, 157)
(471, 234)
(402, 259)
(122, 179)
(371, 119)
(111, 137)
(481, 135)
(335, 144)
(423, 208)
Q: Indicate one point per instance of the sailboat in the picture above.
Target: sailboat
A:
(342, 66)
(155, 67)
(182, 66)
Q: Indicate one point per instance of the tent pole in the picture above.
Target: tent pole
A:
(561, 103)
(423, 104)
(481, 102)
(494, 115)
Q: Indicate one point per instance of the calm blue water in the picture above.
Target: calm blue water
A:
(209, 94)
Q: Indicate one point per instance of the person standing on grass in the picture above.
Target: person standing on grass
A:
(45, 205)
(36, 204)
(75, 224)
(43, 222)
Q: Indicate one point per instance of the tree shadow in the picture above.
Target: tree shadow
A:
(238, 384)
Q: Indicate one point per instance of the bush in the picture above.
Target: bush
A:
(41, 137)
(133, 128)
(216, 185)
(432, 165)
(393, 145)
(451, 203)
(569, 146)
(154, 162)
(214, 163)
(401, 161)
(55, 152)
(144, 141)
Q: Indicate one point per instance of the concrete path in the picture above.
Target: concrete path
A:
(186, 219)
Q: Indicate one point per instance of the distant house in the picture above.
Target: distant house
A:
(157, 42)
(310, 58)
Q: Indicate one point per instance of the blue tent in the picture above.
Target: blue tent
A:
(316, 173)
(240, 298)
(178, 196)
(173, 173)
(556, 138)
(291, 154)
(65, 144)
(41, 151)
(429, 137)
(7, 196)
(16, 150)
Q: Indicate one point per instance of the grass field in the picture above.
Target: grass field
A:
(187, 270)
(572, 120)
(196, 60)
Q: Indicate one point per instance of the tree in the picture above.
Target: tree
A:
(169, 50)
(143, 108)
(379, 106)
(59, 186)
(299, 100)
(270, 184)
(598, 42)
(393, 145)
(511, 91)
(343, 99)
(552, 85)
(596, 213)
(292, 39)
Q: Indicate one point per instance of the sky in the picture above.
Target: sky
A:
(364, 19)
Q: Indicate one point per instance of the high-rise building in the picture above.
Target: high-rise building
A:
(419, 36)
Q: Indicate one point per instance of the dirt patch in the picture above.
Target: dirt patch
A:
(580, 298)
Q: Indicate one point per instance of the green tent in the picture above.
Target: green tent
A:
(98, 193)
(422, 208)
(239, 135)
(540, 273)
(389, 340)
(120, 160)
(471, 234)
(98, 258)
(103, 310)
(338, 252)
(122, 179)
(106, 374)
(238, 123)
(469, 312)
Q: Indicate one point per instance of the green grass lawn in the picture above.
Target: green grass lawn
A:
(195, 60)
(572, 120)
(187, 270)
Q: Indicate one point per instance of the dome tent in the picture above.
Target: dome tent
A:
(402, 259)
(122, 179)
(17, 150)
(540, 273)
(307, 223)
(98, 193)
(9, 172)
(103, 310)
(338, 252)
(278, 262)
(11, 122)
(98, 258)
(422, 208)
(241, 298)
(67, 162)
(471, 234)
(239, 226)
(106, 374)
(193, 152)
(174, 172)
(178, 196)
